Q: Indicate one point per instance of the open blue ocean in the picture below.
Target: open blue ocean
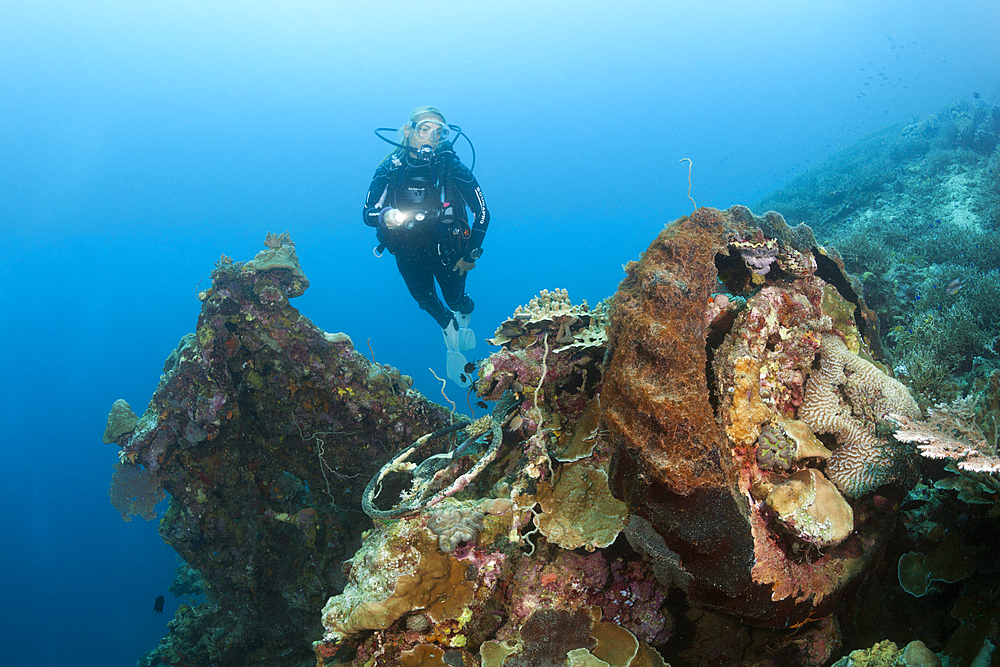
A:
(140, 141)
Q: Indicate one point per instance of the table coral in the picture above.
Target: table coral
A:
(951, 431)
(551, 335)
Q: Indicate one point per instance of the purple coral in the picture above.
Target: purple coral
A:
(759, 258)
(135, 492)
(633, 600)
(549, 634)
(758, 251)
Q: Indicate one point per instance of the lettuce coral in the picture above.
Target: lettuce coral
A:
(455, 525)
(579, 510)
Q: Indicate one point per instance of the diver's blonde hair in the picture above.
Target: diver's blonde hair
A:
(421, 111)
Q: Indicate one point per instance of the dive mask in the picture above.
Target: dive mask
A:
(429, 129)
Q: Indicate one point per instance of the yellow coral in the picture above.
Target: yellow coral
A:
(579, 510)
(398, 569)
(811, 508)
(747, 412)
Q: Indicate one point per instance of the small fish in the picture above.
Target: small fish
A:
(470, 368)
(481, 404)
(954, 286)
(975, 96)
(158, 605)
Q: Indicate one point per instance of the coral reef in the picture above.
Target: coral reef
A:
(911, 209)
(475, 548)
(722, 426)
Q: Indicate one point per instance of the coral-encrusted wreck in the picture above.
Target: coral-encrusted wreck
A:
(714, 408)
(717, 427)
(264, 430)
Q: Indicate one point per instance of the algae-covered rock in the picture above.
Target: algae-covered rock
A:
(121, 420)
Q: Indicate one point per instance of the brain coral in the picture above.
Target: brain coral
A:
(846, 397)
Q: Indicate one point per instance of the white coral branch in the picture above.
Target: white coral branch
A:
(950, 432)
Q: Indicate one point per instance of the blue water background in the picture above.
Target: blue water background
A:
(141, 140)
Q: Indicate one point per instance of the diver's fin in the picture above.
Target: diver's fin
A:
(451, 338)
(456, 369)
(466, 336)
(456, 360)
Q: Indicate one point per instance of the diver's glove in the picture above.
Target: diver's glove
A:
(463, 266)
(387, 218)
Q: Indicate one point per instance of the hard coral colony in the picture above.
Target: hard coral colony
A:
(717, 427)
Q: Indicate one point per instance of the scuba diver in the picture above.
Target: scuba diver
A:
(417, 203)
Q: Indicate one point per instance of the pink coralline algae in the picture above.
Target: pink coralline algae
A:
(626, 591)
(634, 599)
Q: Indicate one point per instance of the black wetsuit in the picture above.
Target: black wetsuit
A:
(441, 188)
